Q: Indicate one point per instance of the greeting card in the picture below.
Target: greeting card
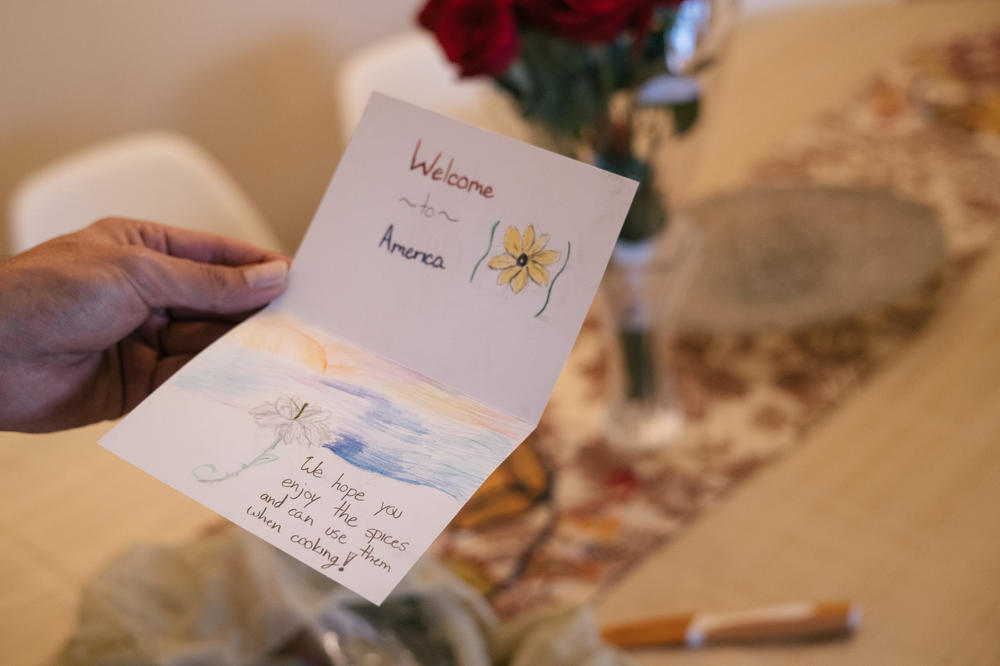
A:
(428, 313)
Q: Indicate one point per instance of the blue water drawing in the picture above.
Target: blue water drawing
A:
(410, 443)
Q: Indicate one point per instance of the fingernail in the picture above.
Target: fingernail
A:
(270, 274)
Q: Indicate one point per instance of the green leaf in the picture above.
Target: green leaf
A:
(264, 458)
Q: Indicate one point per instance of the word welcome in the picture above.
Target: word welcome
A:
(447, 176)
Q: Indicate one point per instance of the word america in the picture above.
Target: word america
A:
(434, 172)
(392, 247)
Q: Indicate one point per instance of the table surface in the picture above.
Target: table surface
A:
(889, 502)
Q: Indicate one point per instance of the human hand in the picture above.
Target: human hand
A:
(92, 322)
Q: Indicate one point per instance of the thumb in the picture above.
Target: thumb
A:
(183, 283)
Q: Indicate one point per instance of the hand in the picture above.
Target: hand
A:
(92, 322)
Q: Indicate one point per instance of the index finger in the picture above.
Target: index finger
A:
(205, 247)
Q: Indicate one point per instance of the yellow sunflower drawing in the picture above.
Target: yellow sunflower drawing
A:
(524, 257)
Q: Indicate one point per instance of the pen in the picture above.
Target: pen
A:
(795, 620)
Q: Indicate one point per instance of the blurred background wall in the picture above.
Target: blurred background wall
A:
(249, 80)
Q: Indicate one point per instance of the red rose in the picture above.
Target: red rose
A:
(590, 20)
(480, 36)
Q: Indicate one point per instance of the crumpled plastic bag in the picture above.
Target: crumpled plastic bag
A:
(231, 598)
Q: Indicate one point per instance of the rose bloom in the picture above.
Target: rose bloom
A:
(593, 21)
(480, 36)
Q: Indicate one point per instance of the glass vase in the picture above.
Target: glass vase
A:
(645, 286)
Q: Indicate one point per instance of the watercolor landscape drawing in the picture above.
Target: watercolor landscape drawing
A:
(304, 388)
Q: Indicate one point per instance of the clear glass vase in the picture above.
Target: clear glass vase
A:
(645, 286)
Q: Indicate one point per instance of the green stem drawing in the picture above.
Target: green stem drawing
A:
(262, 458)
(553, 282)
(488, 248)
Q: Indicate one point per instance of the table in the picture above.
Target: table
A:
(889, 502)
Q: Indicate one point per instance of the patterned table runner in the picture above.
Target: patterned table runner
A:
(567, 513)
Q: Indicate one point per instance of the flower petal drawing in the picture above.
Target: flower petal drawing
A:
(524, 257)
(507, 274)
(538, 273)
(512, 241)
(502, 261)
(293, 421)
(267, 417)
(539, 244)
(547, 257)
(529, 238)
(519, 281)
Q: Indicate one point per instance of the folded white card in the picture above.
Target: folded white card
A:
(428, 313)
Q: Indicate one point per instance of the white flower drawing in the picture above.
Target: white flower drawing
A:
(293, 421)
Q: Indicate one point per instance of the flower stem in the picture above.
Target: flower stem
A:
(639, 363)
(552, 283)
(273, 444)
(493, 230)
(208, 475)
(261, 458)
